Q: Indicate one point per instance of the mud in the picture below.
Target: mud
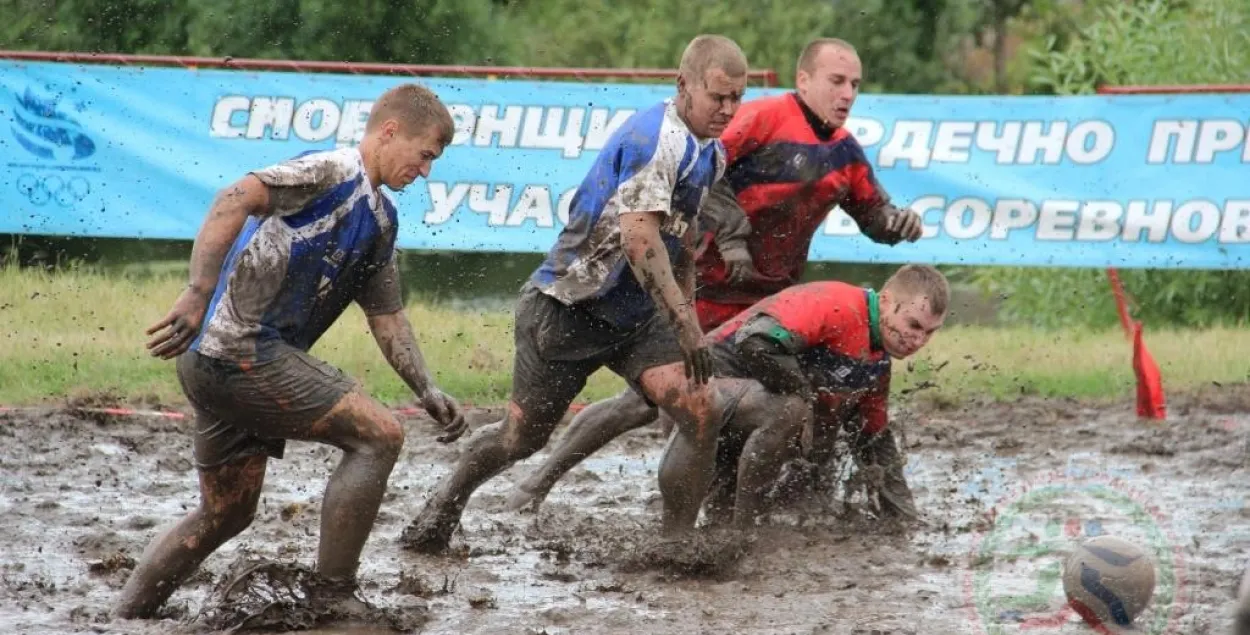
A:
(1005, 492)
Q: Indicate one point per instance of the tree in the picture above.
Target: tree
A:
(1153, 42)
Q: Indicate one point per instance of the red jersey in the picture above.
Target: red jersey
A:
(835, 332)
(787, 170)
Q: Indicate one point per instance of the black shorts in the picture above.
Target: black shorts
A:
(244, 410)
(728, 362)
(558, 347)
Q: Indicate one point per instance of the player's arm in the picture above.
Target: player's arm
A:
(770, 353)
(644, 250)
(644, 200)
(381, 300)
(685, 270)
(726, 218)
(730, 230)
(874, 408)
(233, 204)
(868, 204)
(874, 412)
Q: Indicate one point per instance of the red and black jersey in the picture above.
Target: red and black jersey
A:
(787, 170)
(833, 329)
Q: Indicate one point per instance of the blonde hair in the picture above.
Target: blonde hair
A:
(416, 108)
(706, 52)
(920, 280)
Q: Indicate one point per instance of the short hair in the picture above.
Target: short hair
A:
(706, 52)
(416, 108)
(920, 280)
(807, 58)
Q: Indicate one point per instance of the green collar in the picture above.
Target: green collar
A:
(874, 319)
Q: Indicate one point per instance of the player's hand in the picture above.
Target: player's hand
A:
(696, 355)
(741, 270)
(446, 411)
(904, 224)
(175, 332)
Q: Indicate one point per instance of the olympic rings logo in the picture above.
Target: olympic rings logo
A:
(42, 190)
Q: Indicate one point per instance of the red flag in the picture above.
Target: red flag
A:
(1150, 401)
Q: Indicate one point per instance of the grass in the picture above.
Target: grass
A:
(82, 332)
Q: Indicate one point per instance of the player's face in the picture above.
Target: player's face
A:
(711, 104)
(906, 326)
(405, 159)
(832, 86)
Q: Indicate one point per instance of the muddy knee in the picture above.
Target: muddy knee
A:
(632, 405)
(521, 446)
(235, 521)
(381, 436)
(522, 433)
(390, 436)
(226, 518)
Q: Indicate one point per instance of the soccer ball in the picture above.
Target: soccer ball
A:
(1109, 580)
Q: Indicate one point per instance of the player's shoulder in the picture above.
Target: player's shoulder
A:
(843, 136)
(655, 135)
(781, 104)
(823, 289)
(318, 169)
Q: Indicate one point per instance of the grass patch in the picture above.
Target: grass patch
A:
(81, 331)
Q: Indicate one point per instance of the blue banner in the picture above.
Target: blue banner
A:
(1125, 181)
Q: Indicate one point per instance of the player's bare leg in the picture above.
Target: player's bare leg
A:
(718, 507)
(370, 438)
(228, 497)
(594, 427)
(774, 443)
(492, 449)
(1241, 624)
(689, 461)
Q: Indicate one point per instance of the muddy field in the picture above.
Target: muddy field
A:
(1006, 491)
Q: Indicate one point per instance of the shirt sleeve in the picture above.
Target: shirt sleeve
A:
(725, 218)
(865, 199)
(874, 408)
(381, 293)
(746, 132)
(294, 183)
(810, 318)
(649, 169)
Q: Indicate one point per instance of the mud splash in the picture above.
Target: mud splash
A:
(1005, 492)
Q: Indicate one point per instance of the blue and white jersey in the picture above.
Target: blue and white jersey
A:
(289, 275)
(652, 163)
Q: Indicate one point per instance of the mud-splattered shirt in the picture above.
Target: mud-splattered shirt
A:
(652, 163)
(833, 330)
(787, 170)
(329, 239)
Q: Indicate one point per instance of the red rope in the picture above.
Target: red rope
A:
(171, 414)
(767, 76)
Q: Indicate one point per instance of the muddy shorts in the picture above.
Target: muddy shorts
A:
(250, 410)
(558, 347)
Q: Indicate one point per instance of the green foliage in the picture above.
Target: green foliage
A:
(1059, 298)
(900, 41)
(409, 31)
(1149, 43)
(1154, 42)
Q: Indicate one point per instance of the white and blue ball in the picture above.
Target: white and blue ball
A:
(1109, 580)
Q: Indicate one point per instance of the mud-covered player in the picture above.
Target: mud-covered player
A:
(791, 160)
(282, 252)
(617, 290)
(831, 344)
